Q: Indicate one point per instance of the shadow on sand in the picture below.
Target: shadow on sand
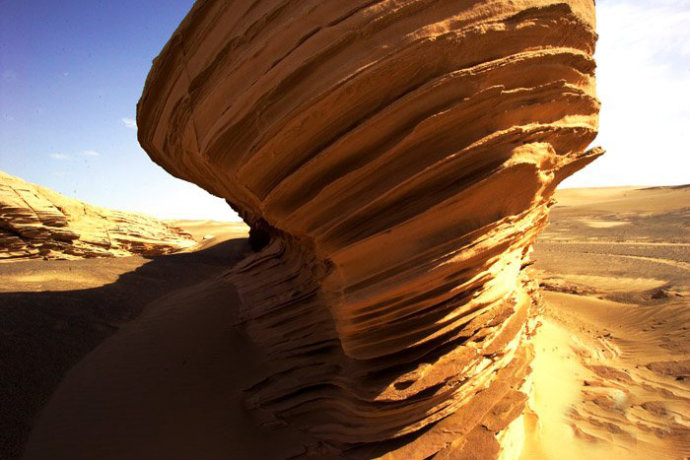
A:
(44, 334)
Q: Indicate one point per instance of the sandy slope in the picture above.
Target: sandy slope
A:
(54, 312)
(208, 233)
(168, 386)
(612, 372)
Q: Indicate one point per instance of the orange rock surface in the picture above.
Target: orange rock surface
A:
(395, 160)
(37, 222)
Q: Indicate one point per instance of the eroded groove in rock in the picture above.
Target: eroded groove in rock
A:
(397, 159)
(37, 222)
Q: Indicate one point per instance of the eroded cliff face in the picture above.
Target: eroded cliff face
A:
(38, 223)
(396, 160)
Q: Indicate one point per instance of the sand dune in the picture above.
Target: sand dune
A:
(612, 365)
(208, 233)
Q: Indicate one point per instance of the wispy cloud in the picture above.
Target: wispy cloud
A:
(83, 153)
(130, 123)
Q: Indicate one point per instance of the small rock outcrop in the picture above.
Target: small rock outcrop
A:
(38, 223)
(395, 160)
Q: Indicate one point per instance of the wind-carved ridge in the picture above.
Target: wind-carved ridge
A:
(395, 161)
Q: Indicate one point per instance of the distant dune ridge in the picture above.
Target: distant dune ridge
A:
(36, 222)
(395, 161)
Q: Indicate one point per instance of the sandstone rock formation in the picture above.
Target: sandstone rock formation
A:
(37, 222)
(395, 160)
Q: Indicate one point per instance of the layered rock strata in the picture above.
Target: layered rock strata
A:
(37, 222)
(395, 160)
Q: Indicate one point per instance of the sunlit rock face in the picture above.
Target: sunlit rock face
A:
(396, 160)
(36, 222)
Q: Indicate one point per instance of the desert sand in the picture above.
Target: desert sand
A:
(610, 375)
(612, 366)
(395, 163)
(54, 312)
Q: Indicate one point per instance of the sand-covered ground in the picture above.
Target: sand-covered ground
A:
(612, 370)
(137, 358)
(54, 312)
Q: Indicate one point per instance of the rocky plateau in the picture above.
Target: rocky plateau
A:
(36, 222)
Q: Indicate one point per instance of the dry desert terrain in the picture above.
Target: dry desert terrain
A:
(136, 357)
(612, 368)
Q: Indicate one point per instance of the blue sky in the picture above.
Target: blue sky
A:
(71, 73)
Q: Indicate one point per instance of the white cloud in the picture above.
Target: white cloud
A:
(129, 123)
(643, 78)
(84, 153)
